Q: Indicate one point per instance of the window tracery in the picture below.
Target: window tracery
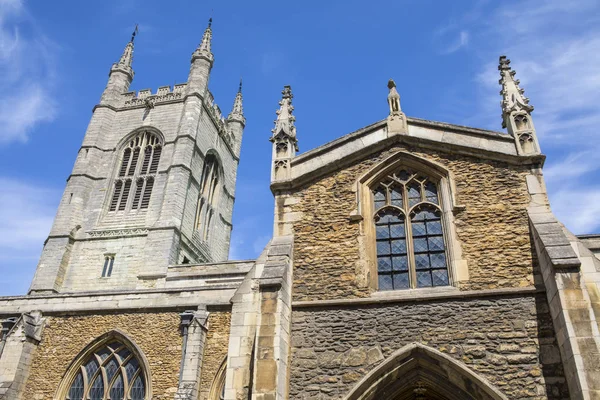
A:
(409, 232)
(208, 196)
(135, 180)
(111, 372)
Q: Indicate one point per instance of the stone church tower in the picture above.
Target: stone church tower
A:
(153, 184)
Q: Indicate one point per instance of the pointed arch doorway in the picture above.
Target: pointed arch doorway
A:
(418, 372)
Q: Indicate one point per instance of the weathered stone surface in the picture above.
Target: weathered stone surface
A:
(157, 335)
(494, 337)
(493, 229)
(215, 350)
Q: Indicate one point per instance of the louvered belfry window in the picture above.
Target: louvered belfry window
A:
(411, 251)
(137, 172)
(208, 196)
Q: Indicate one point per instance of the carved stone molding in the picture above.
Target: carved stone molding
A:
(118, 232)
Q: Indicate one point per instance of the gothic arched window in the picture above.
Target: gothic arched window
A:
(137, 172)
(217, 390)
(409, 232)
(208, 196)
(111, 371)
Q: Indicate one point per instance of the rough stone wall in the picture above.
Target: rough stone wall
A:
(508, 341)
(157, 335)
(493, 229)
(215, 350)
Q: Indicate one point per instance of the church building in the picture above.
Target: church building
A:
(410, 259)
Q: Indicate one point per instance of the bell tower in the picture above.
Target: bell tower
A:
(153, 184)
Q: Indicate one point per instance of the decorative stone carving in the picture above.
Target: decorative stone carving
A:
(118, 232)
(516, 110)
(396, 119)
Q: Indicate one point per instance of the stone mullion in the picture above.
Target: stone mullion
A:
(412, 274)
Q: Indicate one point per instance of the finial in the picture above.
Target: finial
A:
(513, 99)
(391, 84)
(135, 31)
(516, 110)
(284, 124)
(238, 111)
(203, 50)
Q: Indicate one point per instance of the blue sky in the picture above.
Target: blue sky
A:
(337, 55)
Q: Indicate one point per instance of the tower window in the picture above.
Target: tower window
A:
(208, 197)
(135, 178)
(109, 261)
(409, 235)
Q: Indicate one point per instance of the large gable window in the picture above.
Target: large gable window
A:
(409, 233)
(137, 173)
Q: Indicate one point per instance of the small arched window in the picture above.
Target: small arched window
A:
(111, 372)
(208, 196)
(409, 232)
(137, 172)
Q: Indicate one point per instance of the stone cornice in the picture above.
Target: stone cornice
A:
(347, 150)
(217, 295)
(418, 295)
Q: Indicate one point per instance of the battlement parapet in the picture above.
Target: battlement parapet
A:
(146, 98)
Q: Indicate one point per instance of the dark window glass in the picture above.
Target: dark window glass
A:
(391, 249)
(428, 242)
(426, 265)
(76, 391)
(102, 376)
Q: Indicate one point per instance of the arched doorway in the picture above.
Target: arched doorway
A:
(417, 372)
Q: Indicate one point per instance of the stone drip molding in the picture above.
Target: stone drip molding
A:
(118, 233)
(147, 99)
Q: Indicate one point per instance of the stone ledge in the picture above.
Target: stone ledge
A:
(413, 296)
(555, 245)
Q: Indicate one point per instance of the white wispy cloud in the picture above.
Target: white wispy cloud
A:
(26, 216)
(461, 41)
(27, 73)
(555, 49)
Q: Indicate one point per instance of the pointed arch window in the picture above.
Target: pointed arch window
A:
(136, 174)
(111, 372)
(208, 197)
(409, 232)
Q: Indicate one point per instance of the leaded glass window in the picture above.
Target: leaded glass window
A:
(409, 233)
(112, 372)
(135, 176)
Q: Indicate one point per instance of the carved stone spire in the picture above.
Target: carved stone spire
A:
(516, 110)
(121, 74)
(285, 143)
(396, 119)
(237, 110)
(236, 120)
(284, 124)
(203, 49)
(126, 59)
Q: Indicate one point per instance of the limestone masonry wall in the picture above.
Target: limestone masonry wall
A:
(493, 229)
(508, 341)
(157, 335)
(215, 350)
